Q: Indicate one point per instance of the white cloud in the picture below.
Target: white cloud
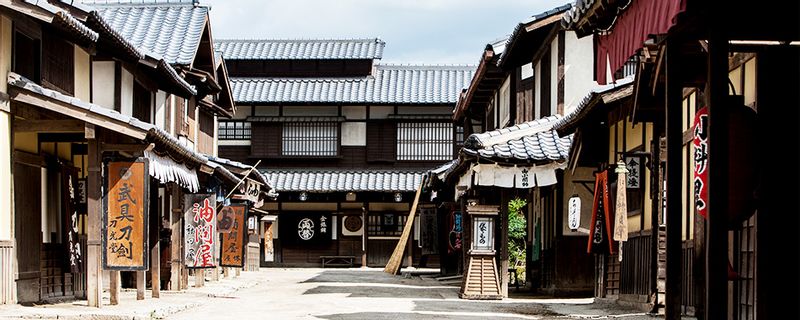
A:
(433, 31)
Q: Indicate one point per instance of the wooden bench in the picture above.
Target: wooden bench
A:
(337, 261)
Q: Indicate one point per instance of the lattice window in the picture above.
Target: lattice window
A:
(316, 139)
(234, 130)
(425, 141)
(386, 224)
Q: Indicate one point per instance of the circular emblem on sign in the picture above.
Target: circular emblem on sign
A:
(353, 223)
(305, 229)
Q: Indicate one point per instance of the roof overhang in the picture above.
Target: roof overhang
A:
(487, 79)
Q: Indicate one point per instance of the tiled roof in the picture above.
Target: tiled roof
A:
(344, 180)
(604, 94)
(533, 23)
(301, 49)
(171, 30)
(388, 84)
(530, 141)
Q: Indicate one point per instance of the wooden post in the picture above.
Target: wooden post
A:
(655, 195)
(176, 215)
(716, 299)
(94, 279)
(225, 272)
(155, 270)
(410, 250)
(364, 235)
(238, 271)
(674, 105)
(113, 287)
(140, 285)
(503, 222)
(199, 277)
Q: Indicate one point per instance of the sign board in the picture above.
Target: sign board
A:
(634, 176)
(352, 226)
(600, 231)
(574, 218)
(429, 229)
(200, 230)
(306, 228)
(232, 240)
(700, 148)
(251, 189)
(454, 235)
(483, 234)
(125, 239)
(269, 248)
(73, 245)
(80, 190)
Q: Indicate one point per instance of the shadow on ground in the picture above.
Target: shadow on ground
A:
(385, 292)
(401, 316)
(484, 307)
(360, 276)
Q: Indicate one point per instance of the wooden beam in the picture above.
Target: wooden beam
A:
(140, 285)
(77, 113)
(48, 126)
(94, 279)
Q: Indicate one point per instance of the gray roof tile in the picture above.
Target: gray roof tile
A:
(302, 49)
(170, 30)
(529, 141)
(344, 180)
(388, 84)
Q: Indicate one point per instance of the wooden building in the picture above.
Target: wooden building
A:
(709, 105)
(344, 139)
(76, 94)
(523, 85)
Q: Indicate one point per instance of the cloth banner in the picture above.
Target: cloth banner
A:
(599, 242)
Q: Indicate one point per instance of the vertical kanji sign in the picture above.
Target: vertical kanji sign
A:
(125, 246)
(233, 231)
(700, 147)
(200, 230)
(70, 210)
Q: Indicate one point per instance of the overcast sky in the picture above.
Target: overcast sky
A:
(415, 31)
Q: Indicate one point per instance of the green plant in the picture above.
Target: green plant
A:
(516, 231)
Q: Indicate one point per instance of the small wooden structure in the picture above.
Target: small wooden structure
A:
(482, 281)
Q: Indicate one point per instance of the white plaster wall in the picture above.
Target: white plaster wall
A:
(242, 112)
(5, 133)
(304, 111)
(5, 176)
(103, 83)
(354, 112)
(537, 93)
(161, 109)
(216, 136)
(266, 110)
(578, 69)
(126, 93)
(82, 74)
(526, 70)
(554, 76)
(424, 110)
(504, 103)
(354, 134)
(380, 112)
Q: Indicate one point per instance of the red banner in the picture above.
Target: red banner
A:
(700, 151)
(600, 232)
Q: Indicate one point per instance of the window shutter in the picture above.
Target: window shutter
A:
(381, 141)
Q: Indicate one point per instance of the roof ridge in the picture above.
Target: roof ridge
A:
(375, 39)
(423, 65)
(143, 3)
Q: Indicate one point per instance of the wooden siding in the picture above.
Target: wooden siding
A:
(381, 141)
(58, 61)
(205, 134)
(27, 225)
(265, 141)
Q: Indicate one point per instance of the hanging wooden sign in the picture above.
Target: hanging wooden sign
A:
(125, 245)
(232, 241)
(574, 218)
(200, 230)
(601, 221)
(70, 210)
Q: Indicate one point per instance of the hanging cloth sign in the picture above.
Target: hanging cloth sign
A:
(200, 230)
(621, 208)
(599, 241)
(700, 147)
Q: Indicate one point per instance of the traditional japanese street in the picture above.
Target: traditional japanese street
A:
(400, 159)
(312, 293)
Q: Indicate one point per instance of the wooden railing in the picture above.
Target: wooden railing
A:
(636, 265)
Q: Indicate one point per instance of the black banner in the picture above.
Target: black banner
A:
(305, 228)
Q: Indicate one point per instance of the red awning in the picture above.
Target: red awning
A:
(633, 26)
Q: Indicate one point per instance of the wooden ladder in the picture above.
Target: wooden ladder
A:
(481, 281)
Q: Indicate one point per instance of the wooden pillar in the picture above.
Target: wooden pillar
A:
(238, 271)
(214, 273)
(410, 249)
(716, 299)
(503, 222)
(113, 287)
(94, 278)
(674, 105)
(155, 269)
(199, 277)
(364, 235)
(176, 240)
(140, 285)
(655, 196)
